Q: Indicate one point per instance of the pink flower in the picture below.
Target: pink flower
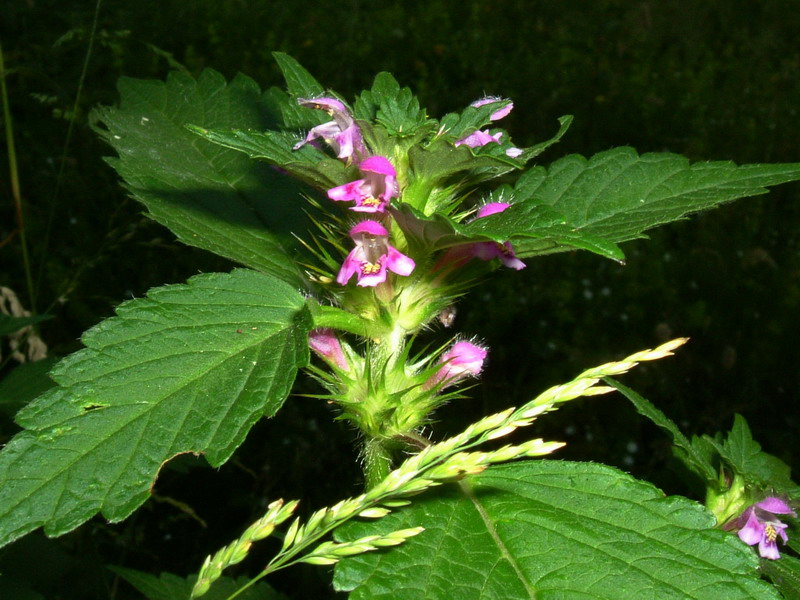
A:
(372, 256)
(463, 359)
(761, 526)
(326, 345)
(499, 113)
(342, 134)
(479, 138)
(372, 193)
(490, 250)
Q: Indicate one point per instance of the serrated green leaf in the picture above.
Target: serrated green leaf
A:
(695, 461)
(541, 229)
(209, 196)
(395, 108)
(172, 587)
(189, 368)
(307, 163)
(535, 150)
(441, 159)
(299, 82)
(744, 455)
(784, 573)
(551, 529)
(619, 194)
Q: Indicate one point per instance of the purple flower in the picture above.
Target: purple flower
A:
(463, 359)
(761, 526)
(499, 113)
(479, 138)
(342, 134)
(490, 250)
(372, 256)
(326, 345)
(372, 193)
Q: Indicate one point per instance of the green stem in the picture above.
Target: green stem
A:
(15, 189)
(377, 462)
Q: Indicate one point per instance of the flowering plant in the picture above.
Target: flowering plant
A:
(279, 183)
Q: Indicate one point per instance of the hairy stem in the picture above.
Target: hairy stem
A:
(377, 462)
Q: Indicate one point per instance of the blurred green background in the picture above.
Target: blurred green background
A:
(711, 80)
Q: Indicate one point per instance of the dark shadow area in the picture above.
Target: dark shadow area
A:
(715, 80)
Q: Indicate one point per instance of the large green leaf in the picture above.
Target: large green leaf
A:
(190, 368)
(551, 529)
(619, 194)
(209, 196)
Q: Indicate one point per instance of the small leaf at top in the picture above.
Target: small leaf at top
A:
(308, 163)
(395, 108)
(744, 455)
(299, 82)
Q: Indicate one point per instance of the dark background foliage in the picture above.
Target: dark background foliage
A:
(711, 80)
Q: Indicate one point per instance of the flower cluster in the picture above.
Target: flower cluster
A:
(386, 394)
(373, 257)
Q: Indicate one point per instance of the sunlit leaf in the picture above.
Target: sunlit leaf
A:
(190, 368)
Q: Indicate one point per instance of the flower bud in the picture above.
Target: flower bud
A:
(327, 346)
(463, 359)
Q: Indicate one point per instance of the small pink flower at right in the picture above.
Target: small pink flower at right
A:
(759, 525)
